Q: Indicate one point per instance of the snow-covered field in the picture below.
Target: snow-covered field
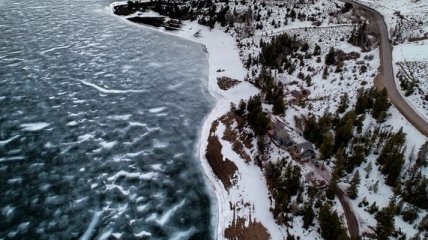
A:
(411, 60)
(404, 18)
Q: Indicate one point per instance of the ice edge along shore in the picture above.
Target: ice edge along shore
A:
(223, 54)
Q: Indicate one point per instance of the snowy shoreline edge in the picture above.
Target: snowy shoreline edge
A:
(227, 50)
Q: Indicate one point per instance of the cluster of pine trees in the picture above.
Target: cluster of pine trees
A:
(278, 53)
(359, 36)
(373, 100)
(252, 112)
(414, 188)
(273, 92)
(284, 182)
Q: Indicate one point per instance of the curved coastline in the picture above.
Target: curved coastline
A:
(220, 103)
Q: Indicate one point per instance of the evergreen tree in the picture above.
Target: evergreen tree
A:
(330, 58)
(392, 157)
(422, 158)
(385, 222)
(344, 129)
(317, 50)
(305, 47)
(241, 108)
(357, 157)
(415, 191)
(381, 105)
(330, 225)
(353, 189)
(332, 187)
(308, 215)
(278, 104)
(326, 148)
(343, 104)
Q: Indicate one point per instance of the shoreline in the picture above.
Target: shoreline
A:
(235, 70)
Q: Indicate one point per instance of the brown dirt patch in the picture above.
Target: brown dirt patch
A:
(238, 231)
(226, 83)
(378, 82)
(224, 169)
(214, 126)
(233, 136)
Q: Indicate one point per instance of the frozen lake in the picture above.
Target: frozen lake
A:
(99, 124)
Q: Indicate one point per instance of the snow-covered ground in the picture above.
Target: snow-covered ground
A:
(404, 18)
(408, 26)
(411, 59)
(251, 187)
(250, 192)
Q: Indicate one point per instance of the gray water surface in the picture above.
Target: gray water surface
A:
(99, 123)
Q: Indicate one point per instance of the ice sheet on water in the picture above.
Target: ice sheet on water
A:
(184, 235)
(159, 144)
(11, 159)
(107, 145)
(143, 234)
(167, 215)
(6, 141)
(91, 228)
(105, 235)
(134, 175)
(36, 126)
(105, 90)
(123, 117)
(157, 109)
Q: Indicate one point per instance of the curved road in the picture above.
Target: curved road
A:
(387, 72)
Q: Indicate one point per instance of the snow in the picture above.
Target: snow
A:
(31, 127)
(414, 23)
(250, 193)
(223, 55)
(411, 59)
(414, 51)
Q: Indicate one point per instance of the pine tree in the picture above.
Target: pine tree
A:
(332, 187)
(330, 58)
(344, 131)
(308, 215)
(385, 222)
(422, 158)
(392, 157)
(330, 225)
(278, 104)
(326, 148)
(241, 108)
(343, 104)
(381, 105)
(317, 50)
(353, 189)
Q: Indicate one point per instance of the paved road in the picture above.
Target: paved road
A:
(387, 72)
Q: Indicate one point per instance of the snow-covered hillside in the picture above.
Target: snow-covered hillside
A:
(312, 87)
